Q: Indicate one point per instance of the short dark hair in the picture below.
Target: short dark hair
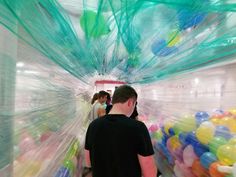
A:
(108, 96)
(123, 93)
(102, 93)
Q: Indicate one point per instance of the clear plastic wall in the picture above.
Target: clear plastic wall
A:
(43, 113)
(192, 122)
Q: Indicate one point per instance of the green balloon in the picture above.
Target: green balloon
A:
(157, 135)
(93, 24)
(176, 130)
(73, 150)
(215, 143)
(69, 165)
(229, 175)
(186, 123)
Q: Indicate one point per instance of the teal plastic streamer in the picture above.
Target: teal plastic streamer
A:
(126, 44)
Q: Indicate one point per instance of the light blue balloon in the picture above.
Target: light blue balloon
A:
(207, 159)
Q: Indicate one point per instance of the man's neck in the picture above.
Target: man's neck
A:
(116, 110)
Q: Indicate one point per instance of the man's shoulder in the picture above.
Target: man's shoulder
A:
(97, 120)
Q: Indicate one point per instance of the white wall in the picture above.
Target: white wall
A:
(200, 91)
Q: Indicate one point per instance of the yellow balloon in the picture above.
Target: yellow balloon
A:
(173, 38)
(227, 154)
(232, 141)
(186, 124)
(205, 132)
(232, 111)
(215, 121)
(174, 142)
(167, 126)
(229, 122)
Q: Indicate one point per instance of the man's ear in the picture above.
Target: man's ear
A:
(130, 102)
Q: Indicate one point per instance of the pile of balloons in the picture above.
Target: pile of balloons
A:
(69, 166)
(198, 145)
(33, 157)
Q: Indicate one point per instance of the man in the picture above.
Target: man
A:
(98, 108)
(118, 146)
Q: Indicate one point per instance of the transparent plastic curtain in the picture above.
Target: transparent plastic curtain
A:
(191, 119)
(43, 113)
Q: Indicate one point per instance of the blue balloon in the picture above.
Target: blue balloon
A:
(200, 149)
(182, 139)
(157, 146)
(207, 159)
(166, 153)
(167, 51)
(170, 159)
(223, 131)
(188, 18)
(164, 139)
(201, 116)
(191, 139)
(171, 131)
(63, 172)
(161, 148)
(158, 45)
(163, 129)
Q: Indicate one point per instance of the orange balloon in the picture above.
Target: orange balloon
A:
(199, 170)
(214, 171)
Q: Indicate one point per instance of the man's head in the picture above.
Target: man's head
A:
(125, 98)
(102, 96)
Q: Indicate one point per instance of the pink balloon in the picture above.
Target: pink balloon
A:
(177, 170)
(29, 155)
(153, 128)
(26, 143)
(45, 136)
(189, 156)
(186, 171)
(183, 169)
(178, 154)
(168, 145)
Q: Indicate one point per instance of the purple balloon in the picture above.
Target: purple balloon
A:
(63, 172)
(223, 131)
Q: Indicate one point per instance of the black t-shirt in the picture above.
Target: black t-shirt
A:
(114, 142)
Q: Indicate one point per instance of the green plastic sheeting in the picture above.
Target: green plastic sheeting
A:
(134, 40)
